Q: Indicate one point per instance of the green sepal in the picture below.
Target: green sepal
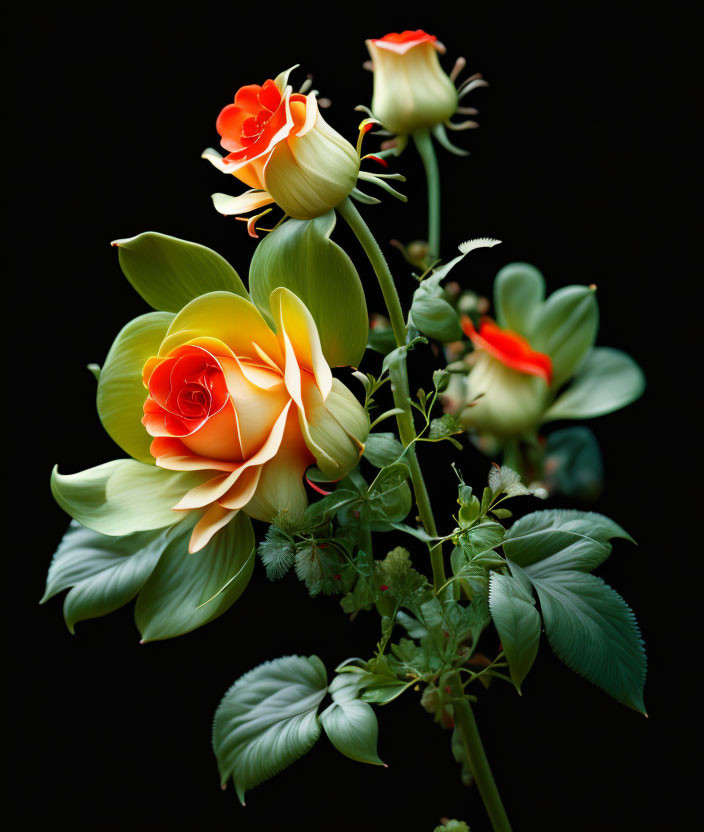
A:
(300, 256)
(169, 273)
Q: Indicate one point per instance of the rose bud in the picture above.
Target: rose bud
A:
(411, 89)
(281, 146)
(508, 388)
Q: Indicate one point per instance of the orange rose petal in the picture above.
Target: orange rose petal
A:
(247, 97)
(257, 408)
(218, 437)
(170, 453)
(211, 522)
(243, 490)
(217, 487)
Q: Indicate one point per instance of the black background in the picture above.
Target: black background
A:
(579, 167)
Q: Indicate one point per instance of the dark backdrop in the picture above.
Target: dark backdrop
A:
(578, 167)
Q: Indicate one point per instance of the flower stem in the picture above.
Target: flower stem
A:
(424, 144)
(399, 378)
(472, 742)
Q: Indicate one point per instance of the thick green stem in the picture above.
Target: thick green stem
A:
(472, 742)
(424, 143)
(399, 378)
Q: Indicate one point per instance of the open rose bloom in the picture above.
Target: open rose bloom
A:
(279, 144)
(411, 89)
(236, 413)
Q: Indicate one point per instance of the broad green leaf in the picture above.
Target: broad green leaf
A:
(105, 572)
(519, 289)
(558, 539)
(124, 496)
(592, 629)
(169, 273)
(349, 723)
(382, 449)
(268, 719)
(572, 463)
(517, 621)
(565, 327)
(300, 256)
(606, 380)
(121, 391)
(186, 591)
(352, 728)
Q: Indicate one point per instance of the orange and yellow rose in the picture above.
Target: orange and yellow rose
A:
(228, 395)
(236, 413)
(280, 145)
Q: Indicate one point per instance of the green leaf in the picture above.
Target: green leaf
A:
(444, 426)
(268, 720)
(277, 552)
(517, 621)
(606, 380)
(105, 572)
(382, 449)
(557, 539)
(381, 339)
(519, 289)
(565, 328)
(592, 629)
(350, 724)
(323, 510)
(169, 273)
(124, 496)
(121, 391)
(389, 494)
(398, 575)
(186, 591)
(300, 256)
(434, 317)
(353, 729)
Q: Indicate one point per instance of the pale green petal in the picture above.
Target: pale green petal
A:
(121, 391)
(124, 496)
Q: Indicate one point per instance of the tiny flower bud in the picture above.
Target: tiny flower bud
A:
(411, 89)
